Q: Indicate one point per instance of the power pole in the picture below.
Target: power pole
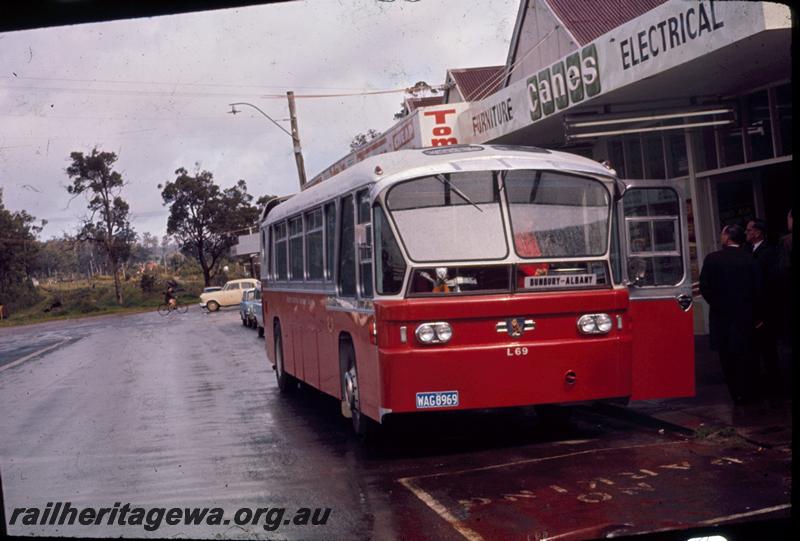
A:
(298, 152)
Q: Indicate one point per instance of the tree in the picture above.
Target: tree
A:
(204, 219)
(58, 257)
(18, 256)
(108, 225)
(361, 139)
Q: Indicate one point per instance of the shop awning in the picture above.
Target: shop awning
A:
(677, 55)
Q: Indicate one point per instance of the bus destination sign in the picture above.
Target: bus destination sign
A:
(569, 280)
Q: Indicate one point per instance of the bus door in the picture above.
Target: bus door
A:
(654, 238)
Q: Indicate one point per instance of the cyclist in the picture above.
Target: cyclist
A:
(169, 295)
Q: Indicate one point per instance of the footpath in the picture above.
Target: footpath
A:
(766, 424)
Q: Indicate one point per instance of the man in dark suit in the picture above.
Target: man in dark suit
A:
(730, 282)
(767, 309)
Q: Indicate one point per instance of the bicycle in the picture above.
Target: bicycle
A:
(165, 308)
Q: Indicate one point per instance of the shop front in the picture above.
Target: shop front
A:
(695, 92)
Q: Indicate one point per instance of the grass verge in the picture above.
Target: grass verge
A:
(84, 299)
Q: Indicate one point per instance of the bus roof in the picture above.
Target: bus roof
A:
(381, 171)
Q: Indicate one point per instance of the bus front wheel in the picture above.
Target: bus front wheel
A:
(350, 384)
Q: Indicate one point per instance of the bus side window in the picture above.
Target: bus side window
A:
(347, 244)
(330, 239)
(364, 240)
(280, 251)
(314, 257)
(615, 257)
(653, 230)
(390, 265)
(296, 249)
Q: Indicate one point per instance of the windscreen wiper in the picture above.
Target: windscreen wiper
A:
(462, 195)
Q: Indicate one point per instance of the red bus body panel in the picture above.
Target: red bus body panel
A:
(492, 369)
(663, 349)
(650, 356)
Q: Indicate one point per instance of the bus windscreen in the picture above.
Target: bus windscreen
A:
(557, 215)
(453, 217)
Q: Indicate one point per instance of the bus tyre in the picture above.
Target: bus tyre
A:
(350, 383)
(212, 306)
(285, 382)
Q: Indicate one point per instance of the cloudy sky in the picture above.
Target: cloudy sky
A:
(156, 92)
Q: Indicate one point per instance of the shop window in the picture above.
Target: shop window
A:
(653, 157)
(633, 158)
(704, 143)
(732, 146)
(735, 200)
(783, 96)
(677, 159)
(616, 155)
(759, 128)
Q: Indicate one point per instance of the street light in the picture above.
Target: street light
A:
(294, 134)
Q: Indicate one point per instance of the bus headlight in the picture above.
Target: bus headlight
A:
(434, 333)
(443, 331)
(595, 324)
(425, 333)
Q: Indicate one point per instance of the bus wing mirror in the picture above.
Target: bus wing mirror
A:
(619, 189)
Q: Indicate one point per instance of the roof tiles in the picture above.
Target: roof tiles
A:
(477, 83)
(587, 20)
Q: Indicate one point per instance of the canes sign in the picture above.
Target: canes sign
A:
(565, 83)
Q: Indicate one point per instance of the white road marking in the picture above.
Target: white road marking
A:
(717, 520)
(32, 355)
(546, 458)
(708, 522)
(438, 508)
(441, 510)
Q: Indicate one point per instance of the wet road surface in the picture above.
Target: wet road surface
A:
(183, 411)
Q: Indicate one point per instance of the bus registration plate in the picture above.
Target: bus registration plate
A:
(441, 399)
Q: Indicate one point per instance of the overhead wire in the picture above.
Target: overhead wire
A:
(168, 83)
(485, 89)
(176, 93)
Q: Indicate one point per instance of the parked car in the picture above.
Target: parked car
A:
(246, 306)
(229, 295)
(257, 312)
(211, 288)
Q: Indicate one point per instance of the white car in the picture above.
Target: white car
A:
(229, 295)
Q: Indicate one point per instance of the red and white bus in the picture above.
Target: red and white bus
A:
(478, 276)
